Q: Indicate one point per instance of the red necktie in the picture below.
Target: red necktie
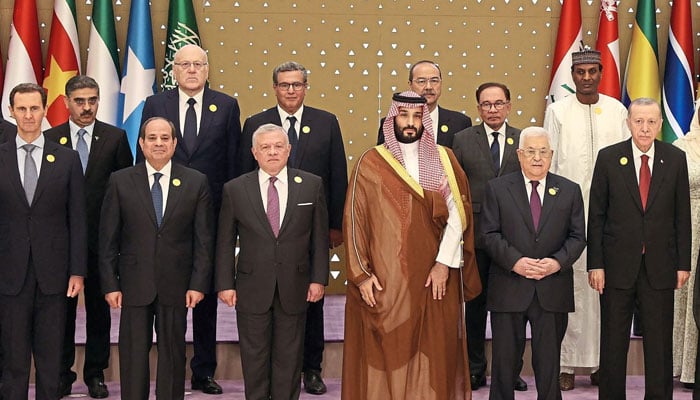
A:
(273, 206)
(644, 180)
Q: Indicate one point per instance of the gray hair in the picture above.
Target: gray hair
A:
(643, 101)
(267, 128)
(532, 131)
(288, 67)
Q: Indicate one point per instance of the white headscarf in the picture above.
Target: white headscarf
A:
(690, 143)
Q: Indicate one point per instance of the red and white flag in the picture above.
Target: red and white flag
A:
(608, 44)
(62, 60)
(24, 50)
(569, 37)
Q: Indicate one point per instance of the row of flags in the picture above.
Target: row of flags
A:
(641, 78)
(123, 91)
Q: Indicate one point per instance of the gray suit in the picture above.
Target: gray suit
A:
(271, 276)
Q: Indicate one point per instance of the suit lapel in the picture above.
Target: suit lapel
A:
(252, 188)
(551, 192)
(206, 118)
(658, 174)
(293, 190)
(139, 179)
(96, 146)
(9, 163)
(47, 168)
(509, 149)
(304, 135)
(519, 194)
(483, 143)
(174, 192)
(626, 161)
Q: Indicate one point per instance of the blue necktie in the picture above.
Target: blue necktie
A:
(293, 140)
(31, 175)
(82, 148)
(496, 151)
(157, 196)
(190, 132)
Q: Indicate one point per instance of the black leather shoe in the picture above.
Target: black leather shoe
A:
(477, 381)
(313, 384)
(207, 385)
(520, 385)
(65, 387)
(97, 388)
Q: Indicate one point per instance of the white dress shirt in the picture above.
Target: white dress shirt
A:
(286, 123)
(282, 186)
(637, 154)
(183, 106)
(37, 154)
(540, 188)
(74, 128)
(164, 180)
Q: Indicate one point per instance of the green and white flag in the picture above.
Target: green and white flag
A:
(103, 61)
(182, 30)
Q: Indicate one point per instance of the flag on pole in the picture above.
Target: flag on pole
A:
(182, 30)
(103, 60)
(62, 60)
(679, 84)
(642, 71)
(139, 72)
(24, 50)
(569, 35)
(608, 44)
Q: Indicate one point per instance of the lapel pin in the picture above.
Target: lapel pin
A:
(598, 110)
(50, 158)
(553, 191)
(444, 128)
(176, 182)
(63, 140)
(298, 179)
(661, 161)
(212, 107)
(623, 160)
(97, 138)
(306, 129)
(510, 141)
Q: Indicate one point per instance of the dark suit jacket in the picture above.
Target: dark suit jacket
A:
(217, 141)
(8, 131)
(144, 261)
(449, 123)
(320, 152)
(52, 228)
(109, 152)
(297, 257)
(471, 147)
(618, 227)
(509, 234)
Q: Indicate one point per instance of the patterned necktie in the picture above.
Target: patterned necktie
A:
(190, 132)
(496, 151)
(273, 206)
(82, 148)
(31, 175)
(644, 180)
(157, 196)
(535, 204)
(293, 140)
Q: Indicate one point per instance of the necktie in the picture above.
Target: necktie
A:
(190, 132)
(293, 140)
(535, 204)
(273, 206)
(82, 148)
(496, 151)
(157, 196)
(644, 180)
(31, 175)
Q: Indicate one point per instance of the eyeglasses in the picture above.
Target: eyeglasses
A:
(187, 64)
(424, 81)
(80, 101)
(486, 106)
(296, 85)
(541, 153)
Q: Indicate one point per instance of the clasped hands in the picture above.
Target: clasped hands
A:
(536, 268)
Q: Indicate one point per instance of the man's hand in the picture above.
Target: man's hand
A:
(550, 266)
(596, 278)
(438, 278)
(228, 296)
(114, 299)
(315, 292)
(367, 290)
(683, 277)
(75, 285)
(192, 297)
(335, 238)
(527, 267)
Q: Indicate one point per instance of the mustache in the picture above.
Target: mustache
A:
(86, 113)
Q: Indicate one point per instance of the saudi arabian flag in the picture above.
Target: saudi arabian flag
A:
(103, 60)
(182, 30)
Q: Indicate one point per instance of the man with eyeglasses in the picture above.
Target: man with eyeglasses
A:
(208, 130)
(103, 149)
(486, 151)
(317, 147)
(533, 228)
(425, 78)
(580, 125)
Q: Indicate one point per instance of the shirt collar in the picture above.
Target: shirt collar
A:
(283, 114)
(501, 129)
(636, 153)
(165, 170)
(38, 142)
(264, 176)
(543, 181)
(184, 97)
(74, 128)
